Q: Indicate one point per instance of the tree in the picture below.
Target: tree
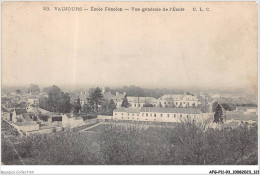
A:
(33, 88)
(125, 103)
(160, 105)
(218, 116)
(57, 101)
(111, 105)
(95, 99)
(76, 106)
(18, 91)
(214, 105)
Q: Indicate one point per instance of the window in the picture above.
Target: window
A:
(135, 105)
(174, 115)
(176, 103)
(128, 114)
(137, 114)
(187, 116)
(122, 117)
(133, 114)
(146, 115)
(142, 114)
(161, 115)
(151, 115)
(122, 113)
(138, 105)
(183, 102)
(154, 115)
(180, 116)
(168, 115)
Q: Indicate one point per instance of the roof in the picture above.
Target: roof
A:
(242, 117)
(26, 117)
(26, 123)
(142, 99)
(45, 112)
(20, 111)
(242, 108)
(108, 95)
(178, 97)
(160, 110)
(128, 110)
(69, 115)
(78, 118)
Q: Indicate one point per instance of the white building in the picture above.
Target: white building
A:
(68, 120)
(178, 100)
(156, 114)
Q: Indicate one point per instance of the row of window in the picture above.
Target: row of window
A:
(193, 104)
(130, 118)
(155, 115)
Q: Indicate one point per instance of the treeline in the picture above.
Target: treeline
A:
(185, 144)
(143, 92)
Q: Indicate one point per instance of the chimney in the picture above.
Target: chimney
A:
(117, 93)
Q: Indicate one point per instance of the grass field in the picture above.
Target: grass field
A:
(98, 128)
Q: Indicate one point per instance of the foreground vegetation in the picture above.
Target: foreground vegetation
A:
(185, 144)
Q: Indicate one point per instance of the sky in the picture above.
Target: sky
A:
(215, 49)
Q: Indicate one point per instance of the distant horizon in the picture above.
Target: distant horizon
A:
(80, 87)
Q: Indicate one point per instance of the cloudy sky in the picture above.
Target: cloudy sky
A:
(216, 49)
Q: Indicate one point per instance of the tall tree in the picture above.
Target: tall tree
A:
(214, 106)
(76, 106)
(125, 103)
(218, 116)
(95, 99)
(58, 101)
(111, 106)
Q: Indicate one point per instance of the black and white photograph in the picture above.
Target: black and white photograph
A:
(129, 83)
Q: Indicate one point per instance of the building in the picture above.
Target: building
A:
(137, 102)
(156, 114)
(18, 115)
(174, 100)
(118, 98)
(246, 110)
(33, 101)
(69, 120)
